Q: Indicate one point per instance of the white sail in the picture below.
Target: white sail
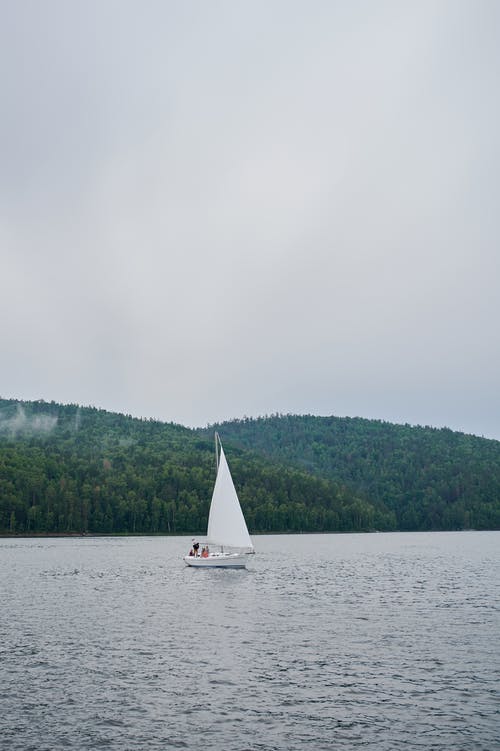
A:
(226, 523)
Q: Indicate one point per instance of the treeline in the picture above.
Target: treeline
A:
(66, 469)
(423, 478)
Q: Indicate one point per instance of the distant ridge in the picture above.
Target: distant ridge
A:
(430, 478)
(67, 469)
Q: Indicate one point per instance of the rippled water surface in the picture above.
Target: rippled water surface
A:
(386, 641)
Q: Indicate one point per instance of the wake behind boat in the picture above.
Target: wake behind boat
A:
(227, 529)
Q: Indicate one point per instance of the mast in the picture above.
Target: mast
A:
(216, 452)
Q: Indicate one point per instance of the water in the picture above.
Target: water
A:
(383, 641)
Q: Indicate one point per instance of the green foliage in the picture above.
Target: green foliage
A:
(67, 469)
(410, 478)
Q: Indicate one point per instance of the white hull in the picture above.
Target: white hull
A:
(217, 560)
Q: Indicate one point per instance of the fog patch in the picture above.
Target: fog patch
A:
(78, 420)
(23, 424)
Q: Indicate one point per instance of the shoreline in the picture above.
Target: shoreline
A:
(69, 535)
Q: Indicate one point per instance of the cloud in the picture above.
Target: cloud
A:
(22, 424)
(214, 211)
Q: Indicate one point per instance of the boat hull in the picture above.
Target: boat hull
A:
(217, 560)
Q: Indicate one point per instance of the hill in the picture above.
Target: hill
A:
(66, 469)
(69, 469)
(424, 478)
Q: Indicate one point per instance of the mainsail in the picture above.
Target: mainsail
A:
(226, 523)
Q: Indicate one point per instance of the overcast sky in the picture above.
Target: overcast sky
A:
(213, 208)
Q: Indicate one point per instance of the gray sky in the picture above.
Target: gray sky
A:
(215, 209)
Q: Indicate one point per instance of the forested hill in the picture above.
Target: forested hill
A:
(426, 478)
(68, 469)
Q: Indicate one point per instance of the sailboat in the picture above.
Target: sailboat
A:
(227, 529)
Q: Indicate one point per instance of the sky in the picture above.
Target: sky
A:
(211, 210)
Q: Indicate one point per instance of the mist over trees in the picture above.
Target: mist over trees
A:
(70, 469)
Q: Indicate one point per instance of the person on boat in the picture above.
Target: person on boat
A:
(196, 546)
(191, 552)
(204, 552)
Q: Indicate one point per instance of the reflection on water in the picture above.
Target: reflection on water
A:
(386, 641)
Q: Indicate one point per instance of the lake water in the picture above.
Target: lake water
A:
(382, 641)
